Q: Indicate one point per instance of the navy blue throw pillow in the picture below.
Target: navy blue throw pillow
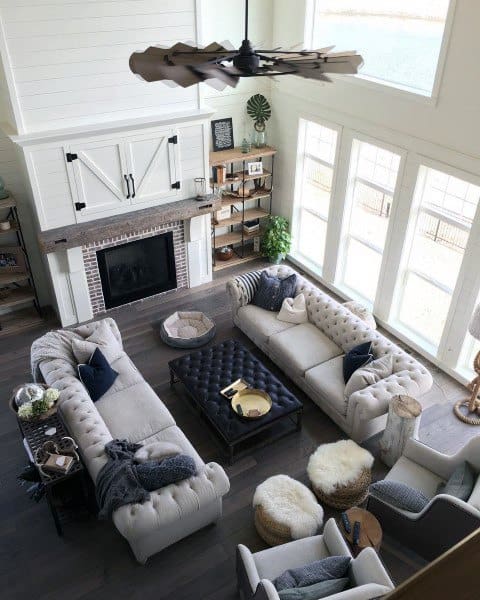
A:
(97, 376)
(355, 359)
(272, 291)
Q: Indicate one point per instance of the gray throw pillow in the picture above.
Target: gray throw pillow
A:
(333, 567)
(272, 291)
(461, 482)
(323, 589)
(400, 495)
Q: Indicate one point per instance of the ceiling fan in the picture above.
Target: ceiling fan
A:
(187, 65)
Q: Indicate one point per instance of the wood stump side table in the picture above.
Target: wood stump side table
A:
(402, 423)
(370, 529)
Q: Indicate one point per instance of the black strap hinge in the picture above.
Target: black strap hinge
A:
(71, 157)
(176, 185)
(173, 139)
(80, 205)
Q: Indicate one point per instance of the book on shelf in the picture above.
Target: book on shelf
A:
(251, 227)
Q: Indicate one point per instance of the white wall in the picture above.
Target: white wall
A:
(70, 59)
(447, 129)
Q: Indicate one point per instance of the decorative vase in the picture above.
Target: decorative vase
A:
(259, 135)
(246, 146)
(277, 259)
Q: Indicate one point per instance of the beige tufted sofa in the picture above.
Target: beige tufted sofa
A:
(312, 355)
(131, 410)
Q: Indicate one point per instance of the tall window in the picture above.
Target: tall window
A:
(400, 40)
(446, 208)
(371, 186)
(319, 145)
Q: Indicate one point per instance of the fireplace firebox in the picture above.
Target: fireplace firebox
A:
(137, 270)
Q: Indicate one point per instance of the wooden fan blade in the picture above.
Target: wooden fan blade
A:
(150, 68)
(184, 54)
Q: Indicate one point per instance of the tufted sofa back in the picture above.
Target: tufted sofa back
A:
(81, 414)
(339, 324)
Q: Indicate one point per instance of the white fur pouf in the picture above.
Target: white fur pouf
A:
(289, 504)
(340, 474)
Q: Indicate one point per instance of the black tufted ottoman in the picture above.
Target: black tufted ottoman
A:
(206, 372)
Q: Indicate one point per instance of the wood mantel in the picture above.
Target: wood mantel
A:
(72, 236)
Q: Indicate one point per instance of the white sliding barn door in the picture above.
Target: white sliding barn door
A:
(100, 173)
(153, 165)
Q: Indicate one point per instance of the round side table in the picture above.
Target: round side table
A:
(370, 529)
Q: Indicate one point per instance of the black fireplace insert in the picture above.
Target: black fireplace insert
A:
(137, 270)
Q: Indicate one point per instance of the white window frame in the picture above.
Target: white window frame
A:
(304, 120)
(312, 8)
(466, 290)
(348, 205)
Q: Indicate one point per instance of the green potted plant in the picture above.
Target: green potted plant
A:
(276, 240)
(260, 111)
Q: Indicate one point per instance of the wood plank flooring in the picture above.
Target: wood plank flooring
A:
(92, 561)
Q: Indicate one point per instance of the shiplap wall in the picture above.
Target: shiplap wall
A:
(70, 58)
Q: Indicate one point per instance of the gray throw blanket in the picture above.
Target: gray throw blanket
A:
(117, 482)
(51, 346)
(121, 481)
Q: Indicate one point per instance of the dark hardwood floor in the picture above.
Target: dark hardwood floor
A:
(92, 561)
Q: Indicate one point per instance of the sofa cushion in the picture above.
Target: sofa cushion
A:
(332, 567)
(416, 476)
(400, 495)
(357, 357)
(273, 562)
(323, 589)
(327, 381)
(372, 373)
(259, 324)
(303, 347)
(102, 337)
(134, 413)
(97, 375)
(272, 291)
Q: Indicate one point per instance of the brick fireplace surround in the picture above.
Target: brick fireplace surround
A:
(90, 250)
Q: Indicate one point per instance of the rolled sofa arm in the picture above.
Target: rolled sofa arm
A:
(373, 401)
(238, 297)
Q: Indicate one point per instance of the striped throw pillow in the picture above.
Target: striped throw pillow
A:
(249, 282)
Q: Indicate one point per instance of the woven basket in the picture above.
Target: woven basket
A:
(346, 496)
(269, 530)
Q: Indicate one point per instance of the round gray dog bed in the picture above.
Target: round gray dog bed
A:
(187, 330)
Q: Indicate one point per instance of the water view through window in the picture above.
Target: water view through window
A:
(400, 40)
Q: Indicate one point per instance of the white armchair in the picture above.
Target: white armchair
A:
(257, 571)
(445, 520)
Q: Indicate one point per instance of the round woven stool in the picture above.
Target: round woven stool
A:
(285, 510)
(340, 473)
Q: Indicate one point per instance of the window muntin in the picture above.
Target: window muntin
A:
(439, 241)
(372, 181)
(400, 40)
(318, 156)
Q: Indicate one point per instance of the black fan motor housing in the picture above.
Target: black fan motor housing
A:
(247, 60)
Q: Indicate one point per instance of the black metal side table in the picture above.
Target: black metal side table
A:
(34, 436)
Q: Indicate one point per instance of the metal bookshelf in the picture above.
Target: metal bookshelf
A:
(257, 205)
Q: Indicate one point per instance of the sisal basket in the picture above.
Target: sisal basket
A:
(346, 496)
(269, 530)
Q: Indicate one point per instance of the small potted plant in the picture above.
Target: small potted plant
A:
(276, 240)
(258, 108)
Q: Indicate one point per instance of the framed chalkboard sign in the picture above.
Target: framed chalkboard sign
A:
(222, 134)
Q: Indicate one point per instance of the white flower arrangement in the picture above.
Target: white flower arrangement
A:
(38, 404)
